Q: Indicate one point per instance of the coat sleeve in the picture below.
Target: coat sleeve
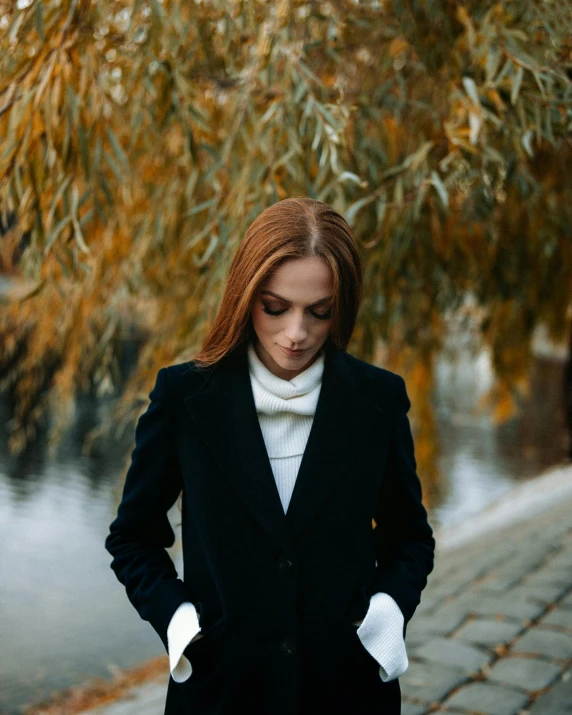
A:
(403, 538)
(141, 531)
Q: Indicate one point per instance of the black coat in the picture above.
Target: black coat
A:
(276, 593)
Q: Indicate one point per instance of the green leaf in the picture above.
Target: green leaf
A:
(97, 154)
(516, 84)
(493, 61)
(398, 191)
(105, 187)
(349, 176)
(419, 200)
(118, 149)
(310, 75)
(325, 112)
(471, 90)
(270, 112)
(495, 155)
(135, 127)
(415, 160)
(72, 98)
(317, 137)
(352, 211)
(201, 260)
(381, 208)
(39, 20)
(440, 188)
(114, 166)
(200, 207)
(158, 9)
(55, 233)
(527, 142)
(83, 149)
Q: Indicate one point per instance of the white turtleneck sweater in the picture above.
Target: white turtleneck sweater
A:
(286, 411)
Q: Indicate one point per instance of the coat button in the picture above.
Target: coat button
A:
(284, 564)
(288, 646)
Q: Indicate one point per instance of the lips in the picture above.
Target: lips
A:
(291, 353)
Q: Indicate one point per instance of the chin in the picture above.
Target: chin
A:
(291, 363)
(285, 362)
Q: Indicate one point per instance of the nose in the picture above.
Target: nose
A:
(295, 330)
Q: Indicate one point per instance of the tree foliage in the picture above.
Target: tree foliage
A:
(140, 138)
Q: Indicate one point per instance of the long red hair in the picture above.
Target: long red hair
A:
(292, 228)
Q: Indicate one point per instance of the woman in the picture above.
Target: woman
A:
(287, 451)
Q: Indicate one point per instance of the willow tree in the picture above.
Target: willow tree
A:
(140, 138)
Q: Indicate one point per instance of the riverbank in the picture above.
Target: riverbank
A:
(493, 633)
(520, 503)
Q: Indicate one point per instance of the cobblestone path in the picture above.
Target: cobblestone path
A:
(493, 632)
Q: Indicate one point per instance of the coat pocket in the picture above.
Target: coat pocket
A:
(211, 635)
(358, 607)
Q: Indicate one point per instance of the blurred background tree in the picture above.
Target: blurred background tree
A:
(139, 139)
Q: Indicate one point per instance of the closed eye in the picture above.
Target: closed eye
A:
(319, 316)
(273, 312)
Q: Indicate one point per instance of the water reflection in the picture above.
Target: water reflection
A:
(65, 616)
(479, 460)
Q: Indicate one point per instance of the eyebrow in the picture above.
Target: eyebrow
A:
(285, 300)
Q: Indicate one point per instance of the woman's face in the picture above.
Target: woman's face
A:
(290, 312)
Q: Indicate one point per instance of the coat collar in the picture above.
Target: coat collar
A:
(224, 414)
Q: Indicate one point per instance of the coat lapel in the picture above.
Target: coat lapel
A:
(224, 413)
